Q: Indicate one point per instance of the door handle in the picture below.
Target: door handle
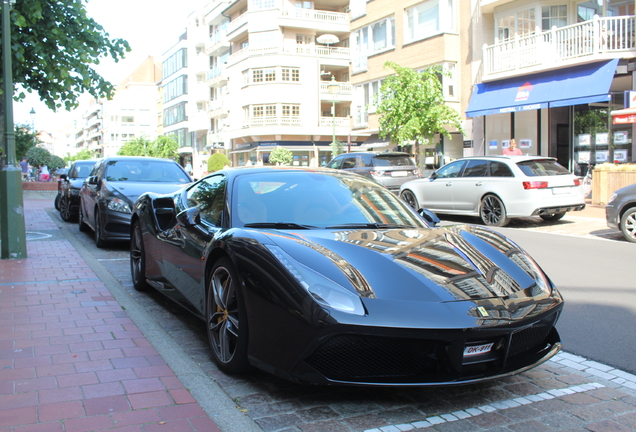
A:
(478, 184)
(449, 184)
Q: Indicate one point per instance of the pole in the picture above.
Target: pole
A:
(12, 231)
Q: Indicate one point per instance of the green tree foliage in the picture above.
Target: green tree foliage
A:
(55, 163)
(83, 154)
(163, 147)
(281, 155)
(217, 161)
(24, 140)
(37, 156)
(55, 44)
(412, 108)
(337, 147)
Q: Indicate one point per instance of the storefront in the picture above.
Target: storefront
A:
(564, 113)
(304, 153)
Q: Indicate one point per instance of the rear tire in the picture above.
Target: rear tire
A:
(138, 259)
(628, 225)
(226, 319)
(65, 209)
(409, 198)
(552, 217)
(493, 211)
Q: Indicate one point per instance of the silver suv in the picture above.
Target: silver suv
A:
(389, 169)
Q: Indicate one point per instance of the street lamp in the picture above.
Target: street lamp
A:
(334, 89)
(32, 115)
(12, 228)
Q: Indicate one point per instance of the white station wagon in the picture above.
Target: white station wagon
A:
(497, 188)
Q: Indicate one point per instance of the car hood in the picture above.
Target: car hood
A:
(451, 264)
(132, 190)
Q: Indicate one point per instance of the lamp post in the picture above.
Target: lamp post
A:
(32, 115)
(334, 87)
(12, 231)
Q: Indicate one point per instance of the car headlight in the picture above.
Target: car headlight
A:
(74, 192)
(118, 205)
(612, 198)
(532, 268)
(323, 290)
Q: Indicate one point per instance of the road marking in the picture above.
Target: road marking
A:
(495, 406)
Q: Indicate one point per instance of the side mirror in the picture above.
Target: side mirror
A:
(63, 176)
(189, 217)
(430, 217)
(433, 175)
(92, 180)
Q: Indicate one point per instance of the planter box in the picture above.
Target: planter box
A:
(606, 182)
(39, 186)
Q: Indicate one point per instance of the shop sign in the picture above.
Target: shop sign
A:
(624, 118)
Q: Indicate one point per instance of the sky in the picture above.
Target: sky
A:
(151, 27)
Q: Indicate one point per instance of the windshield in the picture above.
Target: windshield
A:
(316, 200)
(392, 161)
(139, 170)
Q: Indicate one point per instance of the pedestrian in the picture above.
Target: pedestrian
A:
(24, 166)
(44, 173)
(512, 149)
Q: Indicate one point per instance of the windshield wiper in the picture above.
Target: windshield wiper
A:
(278, 225)
(371, 225)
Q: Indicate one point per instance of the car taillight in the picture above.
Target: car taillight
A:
(378, 173)
(535, 185)
(577, 182)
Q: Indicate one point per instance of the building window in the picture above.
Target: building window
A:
(258, 111)
(270, 110)
(257, 75)
(554, 16)
(261, 4)
(174, 114)
(291, 110)
(376, 37)
(175, 88)
(270, 74)
(519, 24)
(429, 18)
(291, 74)
(175, 62)
(127, 119)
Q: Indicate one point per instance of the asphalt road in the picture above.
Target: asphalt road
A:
(596, 278)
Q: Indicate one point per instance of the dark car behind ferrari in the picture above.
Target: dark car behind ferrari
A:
(325, 277)
(620, 212)
(108, 194)
(68, 187)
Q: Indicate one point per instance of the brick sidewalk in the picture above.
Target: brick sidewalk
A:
(71, 360)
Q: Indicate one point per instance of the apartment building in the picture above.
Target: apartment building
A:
(103, 126)
(558, 76)
(418, 35)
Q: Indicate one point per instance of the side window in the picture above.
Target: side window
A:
(499, 169)
(476, 168)
(451, 170)
(209, 196)
(367, 160)
(98, 169)
(335, 164)
(349, 162)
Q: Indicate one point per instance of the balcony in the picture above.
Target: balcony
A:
(344, 92)
(325, 52)
(217, 77)
(217, 108)
(218, 43)
(315, 19)
(341, 122)
(239, 22)
(272, 121)
(599, 39)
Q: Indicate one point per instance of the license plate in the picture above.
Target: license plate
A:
(561, 191)
(398, 173)
(477, 349)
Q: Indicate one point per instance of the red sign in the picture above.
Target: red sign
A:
(624, 118)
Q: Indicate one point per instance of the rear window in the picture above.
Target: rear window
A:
(542, 167)
(392, 161)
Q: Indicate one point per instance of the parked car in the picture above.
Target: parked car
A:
(620, 212)
(390, 169)
(68, 187)
(498, 188)
(325, 277)
(108, 194)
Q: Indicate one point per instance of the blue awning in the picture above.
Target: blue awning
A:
(570, 86)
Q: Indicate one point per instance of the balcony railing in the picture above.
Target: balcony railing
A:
(272, 121)
(300, 49)
(238, 22)
(329, 121)
(343, 88)
(316, 16)
(601, 38)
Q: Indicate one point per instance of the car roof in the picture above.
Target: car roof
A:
(238, 171)
(375, 153)
(122, 158)
(508, 157)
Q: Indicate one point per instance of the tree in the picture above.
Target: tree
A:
(25, 139)
(217, 161)
(37, 156)
(412, 107)
(54, 45)
(55, 163)
(83, 154)
(281, 156)
(163, 147)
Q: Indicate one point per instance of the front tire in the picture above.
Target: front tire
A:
(409, 198)
(493, 211)
(82, 225)
(99, 235)
(552, 217)
(226, 319)
(628, 225)
(138, 259)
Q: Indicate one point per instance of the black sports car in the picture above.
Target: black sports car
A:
(68, 187)
(322, 276)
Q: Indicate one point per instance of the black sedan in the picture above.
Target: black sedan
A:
(325, 277)
(620, 212)
(68, 187)
(108, 194)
